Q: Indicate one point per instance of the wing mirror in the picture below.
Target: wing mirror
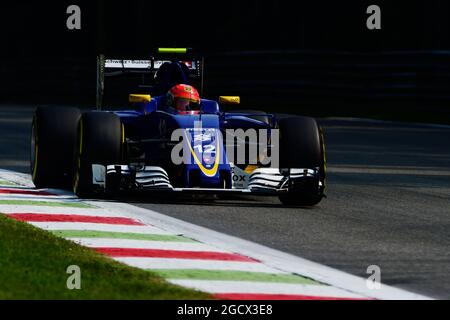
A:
(229, 100)
(139, 98)
(142, 103)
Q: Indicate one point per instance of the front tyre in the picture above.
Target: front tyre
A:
(100, 140)
(302, 147)
(53, 136)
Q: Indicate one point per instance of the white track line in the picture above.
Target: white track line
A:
(416, 171)
(145, 244)
(173, 264)
(397, 123)
(250, 287)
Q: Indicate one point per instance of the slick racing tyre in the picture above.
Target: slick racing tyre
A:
(302, 146)
(53, 135)
(99, 141)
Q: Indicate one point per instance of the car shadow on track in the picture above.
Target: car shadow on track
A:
(203, 200)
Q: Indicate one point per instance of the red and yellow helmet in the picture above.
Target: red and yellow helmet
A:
(183, 98)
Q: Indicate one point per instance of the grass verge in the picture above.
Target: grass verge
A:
(33, 265)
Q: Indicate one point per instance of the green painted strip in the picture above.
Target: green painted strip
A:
(20, 202)
(223, 275)
(119, 235)
(7, 183)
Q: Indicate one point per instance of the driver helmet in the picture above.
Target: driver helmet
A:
(183, 98)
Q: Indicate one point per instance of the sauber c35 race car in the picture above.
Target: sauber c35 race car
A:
(150, 145)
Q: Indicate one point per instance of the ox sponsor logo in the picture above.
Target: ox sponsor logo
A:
(239, 178)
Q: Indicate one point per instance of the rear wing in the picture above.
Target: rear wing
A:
(139, 75)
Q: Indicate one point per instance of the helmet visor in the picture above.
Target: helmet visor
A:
(186, 104)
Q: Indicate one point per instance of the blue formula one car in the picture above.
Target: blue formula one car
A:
(169, 139)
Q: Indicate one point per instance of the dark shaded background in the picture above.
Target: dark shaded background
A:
(38, 27)
(313, 53)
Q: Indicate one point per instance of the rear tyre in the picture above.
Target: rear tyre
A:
(99, 141)
(53, 136)
(302, 146)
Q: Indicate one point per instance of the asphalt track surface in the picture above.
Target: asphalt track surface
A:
(388, 202)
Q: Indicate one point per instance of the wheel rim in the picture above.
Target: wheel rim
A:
(34, 150)
(79, 148)
(324, 159)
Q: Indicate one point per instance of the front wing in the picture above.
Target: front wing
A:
(262, 181)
